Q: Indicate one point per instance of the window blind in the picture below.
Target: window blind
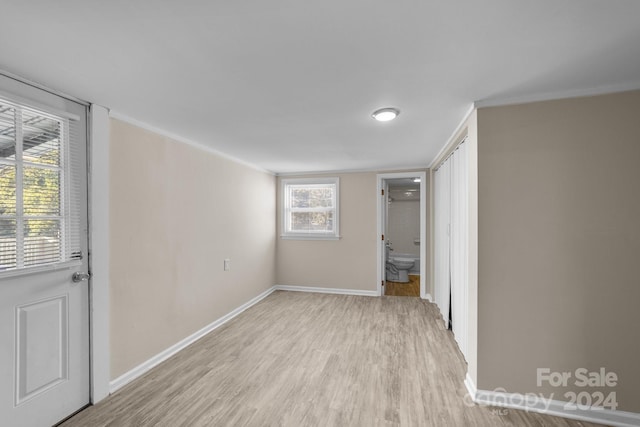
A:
(39, 188)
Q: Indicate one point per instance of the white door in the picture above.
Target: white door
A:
(44, 316)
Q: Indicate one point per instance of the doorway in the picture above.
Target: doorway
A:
(44, 294)
(401, 249)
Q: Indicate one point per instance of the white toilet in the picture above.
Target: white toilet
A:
(397, 268)
(403, 265)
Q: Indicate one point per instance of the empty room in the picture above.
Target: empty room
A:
(320, 214)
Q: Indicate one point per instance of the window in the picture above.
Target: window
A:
(35, 196)
(310, 208)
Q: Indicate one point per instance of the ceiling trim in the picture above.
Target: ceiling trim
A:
(451, 141)
(127, 119)
(365, 170)
(550, 96)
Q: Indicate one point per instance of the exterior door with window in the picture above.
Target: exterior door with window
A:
(44, 313)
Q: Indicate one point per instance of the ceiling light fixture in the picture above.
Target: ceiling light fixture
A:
(416, 179)
(385, 114)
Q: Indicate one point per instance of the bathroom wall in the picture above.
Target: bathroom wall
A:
(403, 226)
(176, 213)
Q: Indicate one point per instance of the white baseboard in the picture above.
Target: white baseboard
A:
(326, 290)
(552, 407)
(471, 387)
(428, 297)
(141, 369)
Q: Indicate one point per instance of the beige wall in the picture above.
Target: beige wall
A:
(559, 242)
(348, 263)
(176, 213)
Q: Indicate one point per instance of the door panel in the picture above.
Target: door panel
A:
(44, 315)
(44, 361)
(42, 346)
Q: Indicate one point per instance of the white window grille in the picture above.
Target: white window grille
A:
(310, 209)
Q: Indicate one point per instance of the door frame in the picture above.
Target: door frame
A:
(380, 253)
(98, 187)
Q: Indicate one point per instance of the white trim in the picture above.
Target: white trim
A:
(381, 177)
(451, 141)
(309, 237)
(98, 173)
(471, 386)
(550, 407)
(326, 290)
(428, 297)
(550, 96)
(124, 118)
(144, 367)
(42, 268)
(342, 171)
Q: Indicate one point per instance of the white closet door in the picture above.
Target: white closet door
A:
(442, 215)
(459, 247)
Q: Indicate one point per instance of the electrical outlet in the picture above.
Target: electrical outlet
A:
(227, 264)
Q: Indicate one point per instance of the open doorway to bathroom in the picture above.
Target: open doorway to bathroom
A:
(402, 230)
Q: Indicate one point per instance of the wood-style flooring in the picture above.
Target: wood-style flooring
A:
(303, 359)
(397, 289)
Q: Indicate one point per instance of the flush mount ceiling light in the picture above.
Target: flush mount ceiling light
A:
(385, 114)
(416, 179)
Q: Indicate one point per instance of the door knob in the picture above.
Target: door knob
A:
(80, 277)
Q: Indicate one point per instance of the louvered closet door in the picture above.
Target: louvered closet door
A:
(459, 248)
(44, 314)
(452, 244)
(442, 196)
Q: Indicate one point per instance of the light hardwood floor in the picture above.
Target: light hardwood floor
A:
(397, 289)
(301, 359)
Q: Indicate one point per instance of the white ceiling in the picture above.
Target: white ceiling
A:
(289, 85)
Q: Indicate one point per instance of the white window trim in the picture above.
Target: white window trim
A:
(286, 235)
